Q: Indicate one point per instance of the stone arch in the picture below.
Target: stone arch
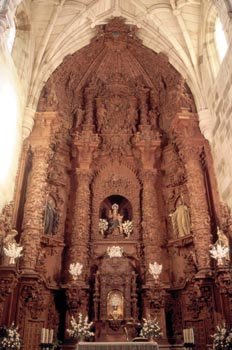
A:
(209, 40)
(22, 48)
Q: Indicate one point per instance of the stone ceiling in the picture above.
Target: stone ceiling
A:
(173, 27)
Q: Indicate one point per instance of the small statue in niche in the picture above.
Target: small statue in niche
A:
(181, 218)
(11, 248)
(51, 217)
(114, 224)
(115, 219)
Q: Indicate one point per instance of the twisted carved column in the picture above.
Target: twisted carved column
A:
(190, 144)
(40, 140)
(151, 219)
(78, 245)
(34, 207)
(198, 203)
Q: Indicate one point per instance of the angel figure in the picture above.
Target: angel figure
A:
(11, 248)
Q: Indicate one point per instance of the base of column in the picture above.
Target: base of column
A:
(204, 272)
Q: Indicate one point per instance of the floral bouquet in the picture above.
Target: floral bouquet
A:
(81, 329)
(151, 329)
(127, 227)
(11, 339)
(222, 340)
(103, 226)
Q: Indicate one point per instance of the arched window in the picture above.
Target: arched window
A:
(220, 40)
(215, 41)
(11, 37)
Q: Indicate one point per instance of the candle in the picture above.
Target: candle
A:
(51, 336)
(192, 336)
(46, 335)
(42, 339)
(187, 335)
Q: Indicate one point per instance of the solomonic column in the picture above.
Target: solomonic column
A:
(191, 144)
(200, 219)
(148, 142)
(79, 237)
(36, 191)
(150, 220)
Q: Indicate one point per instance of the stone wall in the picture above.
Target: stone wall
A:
(10, 108)
(218, 91)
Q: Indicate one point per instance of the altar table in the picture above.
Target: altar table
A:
(117, 346)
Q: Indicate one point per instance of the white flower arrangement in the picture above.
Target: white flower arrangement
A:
(103, 226)
(151, 329)
(115, 252)
(155, 270)
(13, 251)
(127, 227)
(75, 270)
(219, 252)
(222, 339)
(11, 340)
(80, 329)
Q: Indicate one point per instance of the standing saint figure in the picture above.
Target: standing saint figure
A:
(50, 217)
(181, 218)
(115, 219)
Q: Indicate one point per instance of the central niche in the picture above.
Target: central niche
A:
(115, 217)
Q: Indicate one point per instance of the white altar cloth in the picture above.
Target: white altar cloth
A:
(117, 346)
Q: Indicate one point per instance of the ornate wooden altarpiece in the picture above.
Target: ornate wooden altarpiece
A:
(116, 138)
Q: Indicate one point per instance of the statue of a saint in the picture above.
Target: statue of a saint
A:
(10, 238)
(181, 218)
(11, 249)
(50, 218)
(115, 219)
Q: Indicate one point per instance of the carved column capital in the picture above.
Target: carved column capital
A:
(206, 123)
(28, 121)
(86, 143)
